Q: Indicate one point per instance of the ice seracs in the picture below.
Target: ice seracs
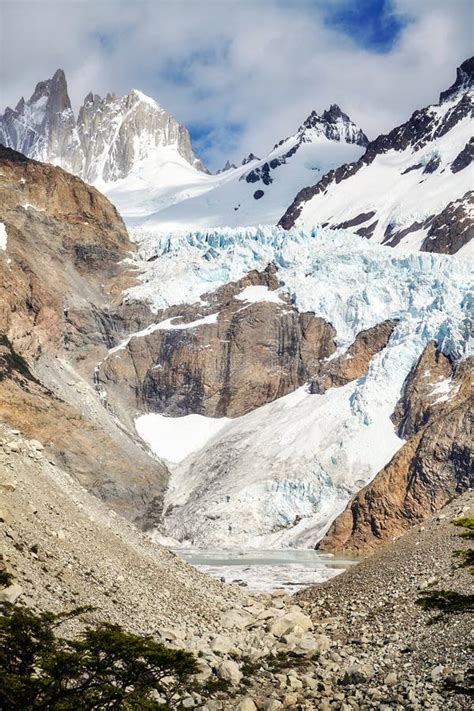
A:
(280, 474)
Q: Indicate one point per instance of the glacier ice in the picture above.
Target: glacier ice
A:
(280, 474)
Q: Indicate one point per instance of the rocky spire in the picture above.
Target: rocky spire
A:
(335, 125)
(110, 136)
(249, 158)
(464, 80)
(44, 127)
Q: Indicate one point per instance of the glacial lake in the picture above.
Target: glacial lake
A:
(266, 570)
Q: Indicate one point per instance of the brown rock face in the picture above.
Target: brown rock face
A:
(432, 467)
(65, 241)
(355, 361)
(59, 276)
(418, 403)
(104, 459)
(247, 354)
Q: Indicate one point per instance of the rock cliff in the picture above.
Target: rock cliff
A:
(244, 347)
(434, 414)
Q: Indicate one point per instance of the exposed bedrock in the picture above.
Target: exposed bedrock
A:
(435, 464)
(240, 354)
(355, 361)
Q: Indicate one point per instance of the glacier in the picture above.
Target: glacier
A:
(278, 476)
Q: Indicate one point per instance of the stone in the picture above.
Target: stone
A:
(391, 679)
(246, 704)
(290, 701)
(357, 674)
(221, 644)
(289, 622)
(11, 593)
(319, 644)
(13, 446)
(229, 671)
(236, 619)
(5, 516)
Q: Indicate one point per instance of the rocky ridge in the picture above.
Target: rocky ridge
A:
(109, 138)
(421, 143)
(60, 274)
(332, 124)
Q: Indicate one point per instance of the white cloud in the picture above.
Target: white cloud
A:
(261, 65)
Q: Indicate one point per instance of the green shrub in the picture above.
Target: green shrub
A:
(104, 668)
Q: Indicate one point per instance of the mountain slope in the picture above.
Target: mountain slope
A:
(61, 270)
(254, 193)
(411, 187)
(432, 468)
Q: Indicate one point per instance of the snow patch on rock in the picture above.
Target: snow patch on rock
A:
(175, 438)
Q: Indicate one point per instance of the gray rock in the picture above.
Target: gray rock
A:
(229, 671)
(290, 621)
(11, 593)
(246, 704)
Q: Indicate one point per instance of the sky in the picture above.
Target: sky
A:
(242, 74)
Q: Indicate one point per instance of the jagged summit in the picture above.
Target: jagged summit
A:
(107, 141)
(335, 125)
(55, 89)
(249, 158)
(228, 166)
(44, 127)
(464, 81)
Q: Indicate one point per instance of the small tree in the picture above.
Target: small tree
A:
(104, 668)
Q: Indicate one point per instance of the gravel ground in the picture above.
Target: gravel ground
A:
(356, 642)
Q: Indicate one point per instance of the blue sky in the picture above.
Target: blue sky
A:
(373, 24)
(242, 74)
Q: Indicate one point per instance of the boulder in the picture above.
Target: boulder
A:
(221, 644)
(229, 671)
(288, 623)
(236, 620)
(246, 704)
(11, 593)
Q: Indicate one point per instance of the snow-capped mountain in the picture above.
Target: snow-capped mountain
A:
(44, 127)
(142, 158)
(412, 187)
(110, 140)
(254, 192)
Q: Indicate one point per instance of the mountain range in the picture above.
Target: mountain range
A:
(408, 188)
(327, 336)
